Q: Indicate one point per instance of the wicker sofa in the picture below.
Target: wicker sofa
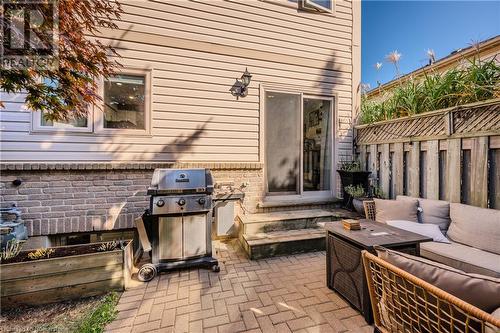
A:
(402, 302)
(474, 235)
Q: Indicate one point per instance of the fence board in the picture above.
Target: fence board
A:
(414, 170)
(373, 161)
(479, 172)
(432, 169)
(495, 179)
(443, 177)
(362, 157)
(466, 177)
(453, 160)
(385, 169)
(397, 169)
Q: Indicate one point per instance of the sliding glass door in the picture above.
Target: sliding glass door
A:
(316, 144)
(298, 144)
(283, 142)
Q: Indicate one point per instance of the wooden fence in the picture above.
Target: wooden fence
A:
(451, 154)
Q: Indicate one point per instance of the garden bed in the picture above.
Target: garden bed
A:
(71, 272)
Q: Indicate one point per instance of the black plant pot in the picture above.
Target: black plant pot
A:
(357, 203)
(352, 178)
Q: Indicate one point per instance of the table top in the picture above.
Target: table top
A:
(367, 237)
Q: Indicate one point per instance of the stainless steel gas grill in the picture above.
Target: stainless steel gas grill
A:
(179, 221)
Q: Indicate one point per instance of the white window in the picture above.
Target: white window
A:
(321, 5)
(41, 123)
(126, 103)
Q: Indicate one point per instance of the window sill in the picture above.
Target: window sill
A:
(297, 202)
(84, 133)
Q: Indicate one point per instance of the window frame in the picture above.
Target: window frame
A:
(334, 136)
(309, 4)
(99, 114)
(37, 127)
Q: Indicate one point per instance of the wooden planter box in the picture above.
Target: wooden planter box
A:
(58, 279)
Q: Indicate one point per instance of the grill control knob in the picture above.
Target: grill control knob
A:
(181, 202)
(202, 201)
(160, 203)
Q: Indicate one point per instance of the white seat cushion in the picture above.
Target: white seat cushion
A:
(424, 229)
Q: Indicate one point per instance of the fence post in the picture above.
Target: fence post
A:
(414, 170)
(479, 171)
(453, 161)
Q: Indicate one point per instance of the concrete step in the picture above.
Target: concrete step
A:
(276, 243)
(251, 224)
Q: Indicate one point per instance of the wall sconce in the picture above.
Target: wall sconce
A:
(240, 87)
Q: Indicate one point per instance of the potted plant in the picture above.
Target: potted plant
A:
(55, 274)
(351, 174)
(357, 195)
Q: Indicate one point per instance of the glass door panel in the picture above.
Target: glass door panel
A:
(282, 142)
(317, 144)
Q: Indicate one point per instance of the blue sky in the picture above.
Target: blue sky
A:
(412, 27)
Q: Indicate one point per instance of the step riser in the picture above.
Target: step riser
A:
(269, 226)
(294, 207)
(283, 248)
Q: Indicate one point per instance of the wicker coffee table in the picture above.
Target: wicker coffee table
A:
(344, 269)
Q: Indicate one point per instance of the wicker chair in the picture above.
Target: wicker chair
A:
(402, 302)
(369, 209)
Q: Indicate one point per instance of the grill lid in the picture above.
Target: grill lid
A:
(174, 181)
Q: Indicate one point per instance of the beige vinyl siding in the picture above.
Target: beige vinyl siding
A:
(195, 50)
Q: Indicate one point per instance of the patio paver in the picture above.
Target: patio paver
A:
(281, 294)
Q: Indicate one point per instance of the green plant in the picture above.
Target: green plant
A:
(377, 192)
(348, 165)
(477, 80)
(355, 191)
(12, 249)
(108, 246)
(41, 253)
(97, 319)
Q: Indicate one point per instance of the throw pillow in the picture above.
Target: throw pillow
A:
(424, 229)
(432, 211)
(386, 210)
(478, 290)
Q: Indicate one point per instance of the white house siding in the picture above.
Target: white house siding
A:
(195, 50)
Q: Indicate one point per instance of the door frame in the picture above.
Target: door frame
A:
(313, 93)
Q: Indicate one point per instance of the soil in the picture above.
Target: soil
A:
(65, 251)
(57, 317)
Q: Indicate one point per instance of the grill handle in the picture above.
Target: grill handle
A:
(143, 236)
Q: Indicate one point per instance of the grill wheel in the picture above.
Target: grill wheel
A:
(147, 272)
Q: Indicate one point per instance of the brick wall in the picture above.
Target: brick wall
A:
(67, 198)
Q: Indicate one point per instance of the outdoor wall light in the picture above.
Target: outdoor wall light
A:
(240, 87)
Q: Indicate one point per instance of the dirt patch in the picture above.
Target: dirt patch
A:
(57, 317)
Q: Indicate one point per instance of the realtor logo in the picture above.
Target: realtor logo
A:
(29, 34)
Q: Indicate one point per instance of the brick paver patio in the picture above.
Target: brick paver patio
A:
(282, 294)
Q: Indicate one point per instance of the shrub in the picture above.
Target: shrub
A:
(41, 253)
(12, 249)
(111, 245)
(350, 166)
(355, 191)
(474, 82)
